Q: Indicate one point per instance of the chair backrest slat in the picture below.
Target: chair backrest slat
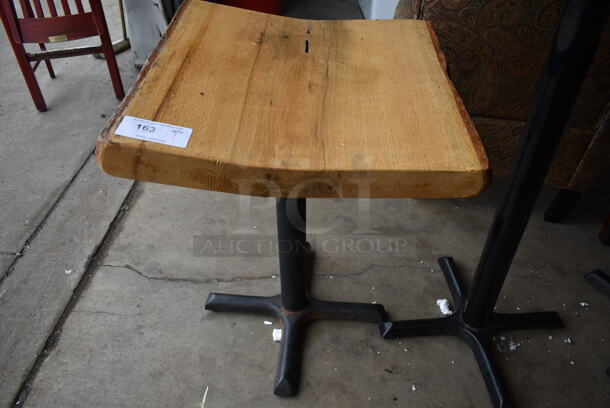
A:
(35, 9)
(38, 8)
(79, 6)
(66, 7)
(26, 8)
(52, 8)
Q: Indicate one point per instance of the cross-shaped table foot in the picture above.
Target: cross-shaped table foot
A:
(294, 322)
(478, 339)
(295, 306)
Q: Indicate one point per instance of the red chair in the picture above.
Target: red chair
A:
(41, 29)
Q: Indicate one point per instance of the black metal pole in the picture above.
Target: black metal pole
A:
(571, 54)
(293, 251)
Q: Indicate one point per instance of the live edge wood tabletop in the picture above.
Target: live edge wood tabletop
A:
(288, 107)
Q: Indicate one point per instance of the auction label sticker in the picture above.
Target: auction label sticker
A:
(157, 132)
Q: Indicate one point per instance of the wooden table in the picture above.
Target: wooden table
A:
(296, 109)
(278, 104)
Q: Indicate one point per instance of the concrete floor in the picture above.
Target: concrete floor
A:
(102, 290)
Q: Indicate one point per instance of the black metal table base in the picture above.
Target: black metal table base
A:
(478, 339)
(474, 319)
(294, 322)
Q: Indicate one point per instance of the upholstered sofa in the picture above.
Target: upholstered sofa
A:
(495, 51)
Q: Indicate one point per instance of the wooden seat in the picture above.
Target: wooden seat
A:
(288, 107)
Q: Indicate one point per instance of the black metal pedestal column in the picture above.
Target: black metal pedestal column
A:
(295, 307)
(474, 320)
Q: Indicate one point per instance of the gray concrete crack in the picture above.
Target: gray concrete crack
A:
(208, 281)
(101, 312)
(189, 280)
(92, 265)
(365, 270)
(41, 224)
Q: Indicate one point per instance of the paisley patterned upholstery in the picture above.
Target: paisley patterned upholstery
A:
(496, 50)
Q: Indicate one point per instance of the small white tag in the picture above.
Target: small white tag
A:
(163, 133)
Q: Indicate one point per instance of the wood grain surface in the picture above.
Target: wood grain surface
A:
(299, 108)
